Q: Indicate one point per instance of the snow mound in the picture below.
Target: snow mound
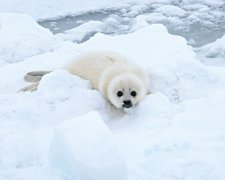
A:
(84, 30)
(213, 53)
(62, 89)
(89, 150)
(22, 38)
(158, 105)
(61, 78)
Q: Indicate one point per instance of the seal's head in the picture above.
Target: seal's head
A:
(126, 90)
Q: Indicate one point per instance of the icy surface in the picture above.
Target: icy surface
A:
(200, 22)
(89, 150)
(177, 132)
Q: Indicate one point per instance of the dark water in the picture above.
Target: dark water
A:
(70, 22)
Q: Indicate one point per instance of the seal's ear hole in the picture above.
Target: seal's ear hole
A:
(119, 93)
(133, 93)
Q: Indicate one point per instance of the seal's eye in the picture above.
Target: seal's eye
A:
(133, 93)
(119, 93)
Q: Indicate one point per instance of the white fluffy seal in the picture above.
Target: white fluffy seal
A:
(122, 83)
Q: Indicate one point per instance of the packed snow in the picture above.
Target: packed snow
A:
(89, 150)
(67, 130)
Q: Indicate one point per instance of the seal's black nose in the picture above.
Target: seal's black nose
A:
(127, 104)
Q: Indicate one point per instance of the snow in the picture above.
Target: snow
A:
(89, 150)
(66, 128)
(49, 9)
(42, 10)
(84, 30)
(23, 38)
(213, 53)
(170, 10)
(205, 2)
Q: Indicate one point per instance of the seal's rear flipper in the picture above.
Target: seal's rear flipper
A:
(31, 88)
(35, 76)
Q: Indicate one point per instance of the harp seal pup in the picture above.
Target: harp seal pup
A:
(121, 82)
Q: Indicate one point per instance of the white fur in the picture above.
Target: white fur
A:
(109, 73)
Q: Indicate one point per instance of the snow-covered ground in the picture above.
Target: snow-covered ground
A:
(66, 130)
